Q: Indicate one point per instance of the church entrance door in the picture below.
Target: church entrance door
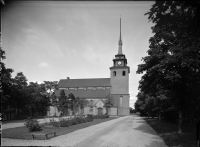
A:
(100, 111)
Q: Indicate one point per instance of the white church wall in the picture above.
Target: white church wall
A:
(86, 110)
(123, 111)
(104, 110)
(113, 111)
(120, 84)
(125, 102)
(53, 111)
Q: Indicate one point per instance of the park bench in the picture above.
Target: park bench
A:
(43, 134)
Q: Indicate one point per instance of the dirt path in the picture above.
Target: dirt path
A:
(124, 131)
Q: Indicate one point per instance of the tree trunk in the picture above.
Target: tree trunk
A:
(17, 111)
(181, 104)
(159, 117)
(31, 112)
(180, 122)
(78, 110)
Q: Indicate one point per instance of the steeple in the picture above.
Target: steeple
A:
(120, 40)
(120, 61)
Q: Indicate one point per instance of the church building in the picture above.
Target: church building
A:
(97, 90)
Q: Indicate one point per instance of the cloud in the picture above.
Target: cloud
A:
(59, 28)
(43, 39)
(43, 64)
(28, 30)
(94, 57)
(74, 52)
(31, 35)
(32, 38)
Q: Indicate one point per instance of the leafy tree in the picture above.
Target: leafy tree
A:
(150, 106)
(20, 80)
(173, 56)
(63, 103)
(72, 99)
(77, 103)
(54, 100)
(108, 103)
(50, 87)
(7, 102)
(2, 54)
(80, 103)
(140, 103)
(83, 103)
(19, 98)
(38, 102)
(19, 85)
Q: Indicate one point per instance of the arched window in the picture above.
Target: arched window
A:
(114, 73)
(123, 73)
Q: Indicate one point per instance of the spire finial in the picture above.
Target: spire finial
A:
(120, 40)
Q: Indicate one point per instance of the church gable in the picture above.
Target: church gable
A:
(99, 104)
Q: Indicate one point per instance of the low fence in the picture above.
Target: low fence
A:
(48, 120)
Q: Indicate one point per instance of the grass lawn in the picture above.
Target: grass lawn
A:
(23, 132)
(168, 131)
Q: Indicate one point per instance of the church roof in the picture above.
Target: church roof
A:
(88, 94)
(64, 83)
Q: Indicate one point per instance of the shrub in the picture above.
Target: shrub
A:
(55, 123)
(96, 116)
(106, 115)
(74, 121)
(32, 124)
(80, 120)
(90, 115)
(65, 123)
(88, 119)
(83, 120)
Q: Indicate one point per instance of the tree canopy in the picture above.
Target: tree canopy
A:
(172, 67)
(20, 99)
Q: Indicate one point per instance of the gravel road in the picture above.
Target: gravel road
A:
(130, 131)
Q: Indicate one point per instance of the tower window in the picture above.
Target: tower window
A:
(114, 73)
(123, 73)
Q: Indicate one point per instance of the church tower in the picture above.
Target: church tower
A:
(119, 80)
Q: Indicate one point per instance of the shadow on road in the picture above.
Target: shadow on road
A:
(144, 127)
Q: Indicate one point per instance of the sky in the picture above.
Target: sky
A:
(53, 40)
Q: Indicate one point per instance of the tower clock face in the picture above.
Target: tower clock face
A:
(119, 62)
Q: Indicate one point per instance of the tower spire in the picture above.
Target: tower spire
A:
(120, 40)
